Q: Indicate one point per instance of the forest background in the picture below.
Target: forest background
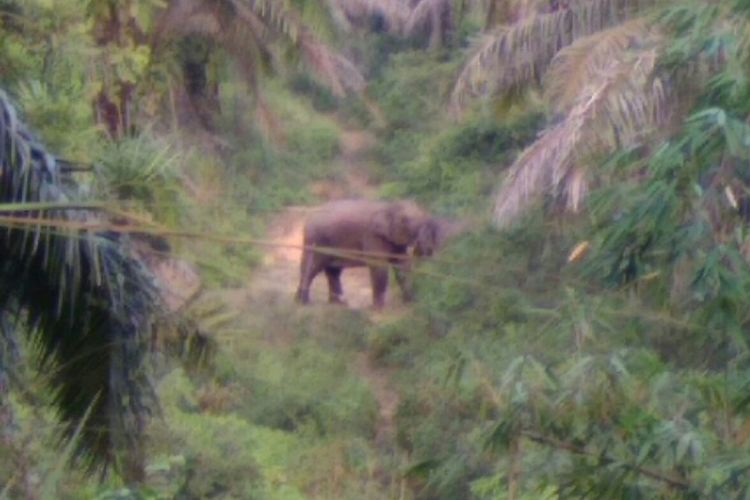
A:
(586, 338)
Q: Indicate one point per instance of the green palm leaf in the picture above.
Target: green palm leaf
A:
(86, 301)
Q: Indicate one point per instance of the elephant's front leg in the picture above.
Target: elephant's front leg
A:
(402, 270)
(379, 279)
(335, 290)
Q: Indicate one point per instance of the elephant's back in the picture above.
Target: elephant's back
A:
(341, 223)
(340, 213)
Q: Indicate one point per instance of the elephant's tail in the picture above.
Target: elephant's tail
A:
(305, 271)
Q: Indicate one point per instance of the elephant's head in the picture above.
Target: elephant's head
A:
(400, 222)
(427, 239)
(435, 232)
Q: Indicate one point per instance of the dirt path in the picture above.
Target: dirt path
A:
(276, 279)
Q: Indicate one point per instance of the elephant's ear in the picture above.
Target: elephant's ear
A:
(392, 223)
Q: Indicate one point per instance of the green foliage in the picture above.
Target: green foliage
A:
(305, 386)
(321, 98)
(409, 92)
(431, 157)
(600, 379)
(621, 373)
(225, 455)
(44, 51)
(317, 142)
(309, 388)
(143, 171)
(89, 327)
(46, 107)
(553, 367)
(460, 165)
(265, 175)
(283, 415)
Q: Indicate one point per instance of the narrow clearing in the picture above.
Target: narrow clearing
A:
(275, 281)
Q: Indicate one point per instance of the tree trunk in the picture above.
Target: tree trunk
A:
(202, 95)
(114, 27)
(514, 474)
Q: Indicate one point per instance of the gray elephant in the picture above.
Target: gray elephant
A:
(353, 233)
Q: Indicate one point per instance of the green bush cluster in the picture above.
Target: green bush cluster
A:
(269, 172)
(225, 455)
(308, 388)
(283, 414)
(411, 92)
(429, 156)
(460, 166)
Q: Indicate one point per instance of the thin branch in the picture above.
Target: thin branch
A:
(673, 480)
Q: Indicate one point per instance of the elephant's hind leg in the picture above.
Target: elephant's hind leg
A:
(402, 271)
(309, 268)
(335, 290)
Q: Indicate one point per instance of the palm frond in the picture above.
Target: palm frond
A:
(519, 54)
(244, 28)
(434, 16)
(85, 299)
(332, 68)
(394, 13)
(579, 63)
(619, 108)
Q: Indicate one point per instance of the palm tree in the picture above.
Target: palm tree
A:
(115, 29)
(616, 74)
(434, 18)
(250, 31)
(83, 298)
(597, 64)
(431, 20)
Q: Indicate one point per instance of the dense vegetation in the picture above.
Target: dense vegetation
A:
(587, 338)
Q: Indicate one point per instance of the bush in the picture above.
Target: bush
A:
(461, 166)
(224, 455)
(267, 175)
(321, 98)
(144, 171)
(316, 143)
(412, 91)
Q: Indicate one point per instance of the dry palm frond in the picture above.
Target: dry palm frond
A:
(620, 107)
(332, 68)
(85, 298)
(576, 65)
(513, 56)
(392, 13)
(433, 16)
(508, 11)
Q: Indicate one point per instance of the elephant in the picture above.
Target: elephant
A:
(356, 233)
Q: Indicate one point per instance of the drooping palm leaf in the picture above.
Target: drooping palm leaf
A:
(393, 14)
(433, 16)
(621, 87)
(513, 56)
(245, 27)
(619, 107)
(581, 62)
(86, 301)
